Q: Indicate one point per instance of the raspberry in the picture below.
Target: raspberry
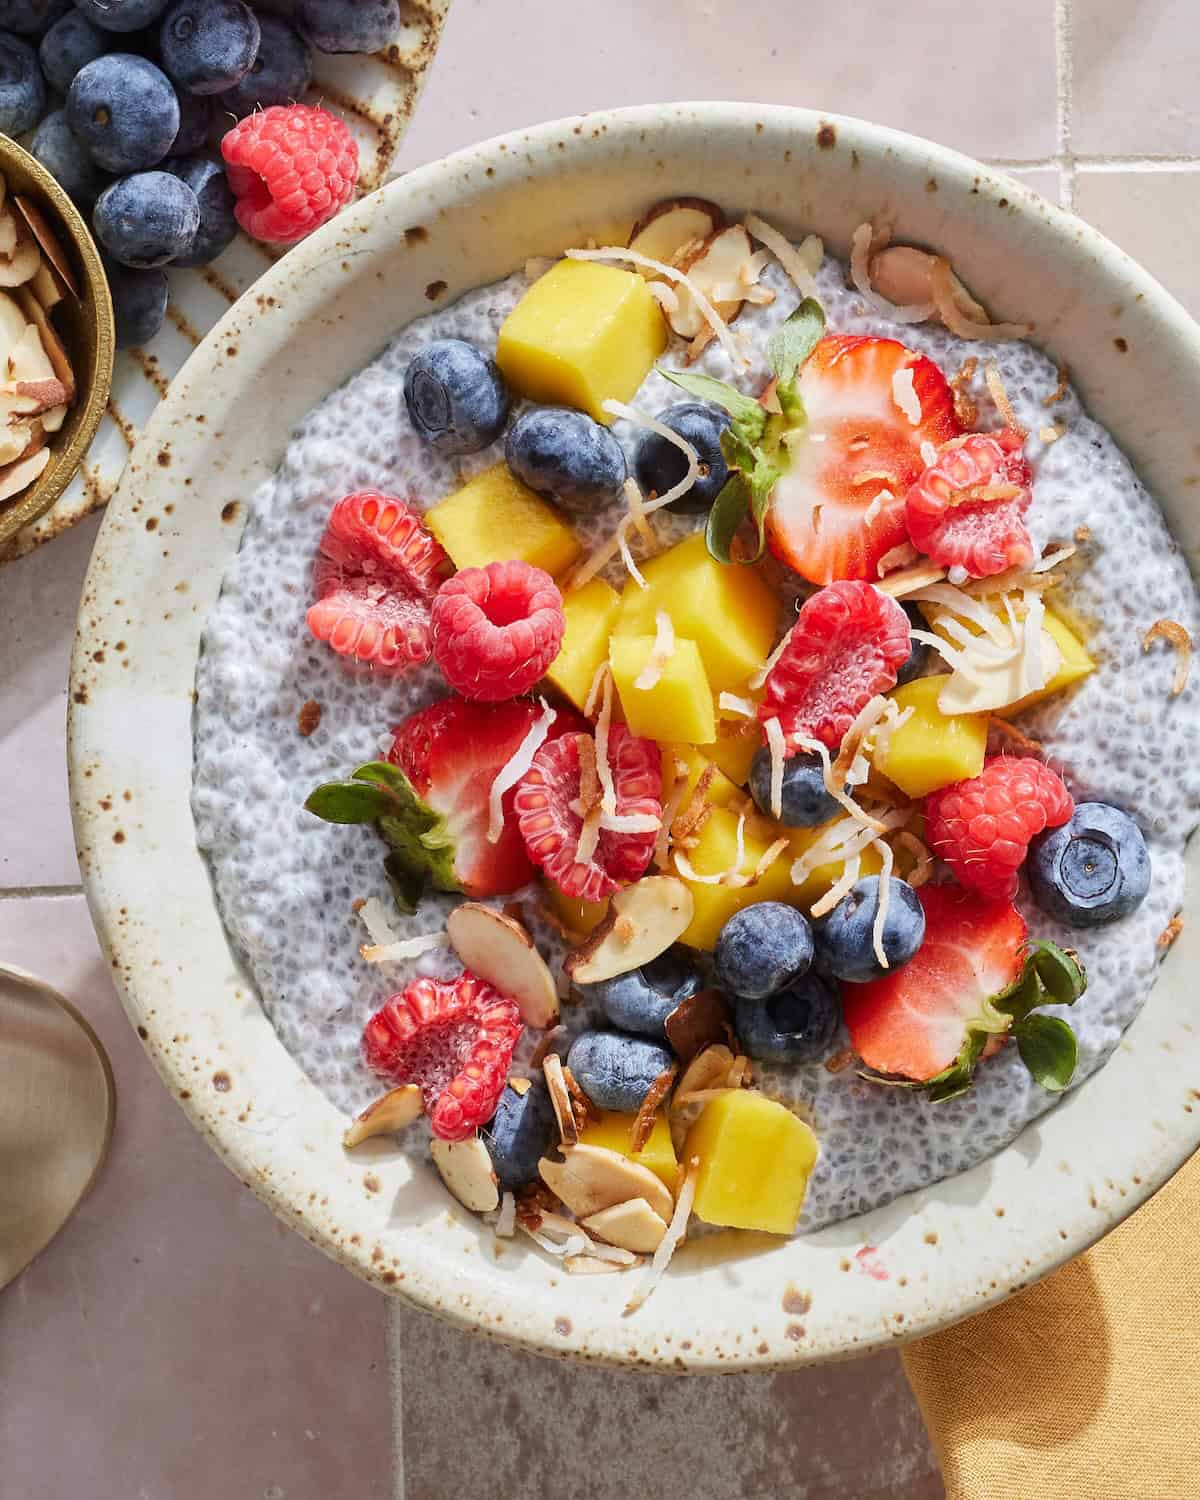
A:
(496, 629)
(455, 1039)
(375, 581)
(982, 536)
(547, 803)
(847, 644)
(982, 827)
(291, 167)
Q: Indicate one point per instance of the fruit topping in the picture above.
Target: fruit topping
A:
(614, 1131)
(147, 219)
(124, 110)
(590, 613)
(456, 397)
(466, 1169)
(755, 1159)
(854, 944)
(1092, 869)
(969, 984)
(500, 951)
(846, 646)
(982, 828)
(495, 515)
(496, 629)
(208, 45)
(375, 581)
(617, 1071)
(919, 655)
(291, 167)
(804, 801)
(797, 1024)
(641, 999)
(931, 749)
(280, 73)
(348, 25)
(966, 510)
(397, 1109)
(218, 222)
(519, 1134)
(563, 454)
(643, 921)
(659, 465)
(762, 949)
(455, 1040)
(552, 802)
(871, 404)
(663, 694)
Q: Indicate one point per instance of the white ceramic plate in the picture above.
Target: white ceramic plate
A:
(735, 1300)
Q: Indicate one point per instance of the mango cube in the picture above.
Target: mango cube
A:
(826, 876)
(614, 1131)
(734, 747)
(1075, 664)
(582, 917)
(721, 791)
(495, 516)
(729, 610)
(678, 706)
(590, 613)
(714, 852)
(582, 334)
(932, 749)
(755, 1161)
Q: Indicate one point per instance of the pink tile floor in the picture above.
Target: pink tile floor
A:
(174, 1343)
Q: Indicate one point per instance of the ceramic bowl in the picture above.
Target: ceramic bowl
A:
(85, 327)
(733, 1301)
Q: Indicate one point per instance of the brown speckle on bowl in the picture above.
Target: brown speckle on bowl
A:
(826, 136)
(794, 1331)
(434, 290)
(417, 235)
(796, 1301)
(222, 1082)
(1121, 346)
(931, 1237)
(228, 513)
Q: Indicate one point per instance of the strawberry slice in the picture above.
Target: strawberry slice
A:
(860, 443)
(375, 581)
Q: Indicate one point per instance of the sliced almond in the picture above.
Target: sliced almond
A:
(466, 1169)
(643, 920)
(46, 287)
(21, 266)
(14, 439)
(560, 1098)
(698, 1022)
(672, 224)
(904, 275)
(715, 268)
(632, 1225)
(498, 949)
(396, 1110)
(41, 395)
(48, 241)
(8, 233)
(19, 476)
(53, 419)
(28, 362)
(592, 1178)
(53, 345)
(13, 323)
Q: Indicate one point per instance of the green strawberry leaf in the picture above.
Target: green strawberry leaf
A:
(749, 419)
(1048, 1049)
(793, 341)
(726, 515)
(348, 802)
(407, 882)
(762, 480)
(1061, 974)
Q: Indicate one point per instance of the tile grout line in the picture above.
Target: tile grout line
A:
(1064, 80)
(397, 1389)
(39, 892)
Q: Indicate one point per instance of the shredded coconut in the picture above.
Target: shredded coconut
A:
(730, 877)
(730, 703)
(999, 395)
(397, 952)
(778, 748)
(791, 259)
(831, 784)
(515, 767)
(506, 1221)
(627, 558)
(928, 453)
(676, 1231)
(666, 296)
(881, 911)
(671, 806)
(904, 394)
(941, 282)
(608, 792)
(759, 678)
(841, 887)
(652, 424)
(1171, 630)
(374, 917)
(593, 695)
(882, 498)
(660, 653)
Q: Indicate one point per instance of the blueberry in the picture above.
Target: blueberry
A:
(124, 110)
(520, 1134)
(918, 657)
(456, 397)
(279, 74)
(762, 949)
(642, 1000)
(121, 15)
(55, 146)
(564, 454)
(22, 87)
(615, 1071)
(195, 121)
(31, 17)
(796, 1025)
(348, 25)
(70, 44)
(805, 802)
(845, 938)
(147, 219)
(218, 226)
(658, 464)
(139, 301)
(1093, 869)
(208, 45)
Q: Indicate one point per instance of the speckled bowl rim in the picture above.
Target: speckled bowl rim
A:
(739, 1302)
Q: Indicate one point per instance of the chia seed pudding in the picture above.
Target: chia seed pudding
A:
(287, 883)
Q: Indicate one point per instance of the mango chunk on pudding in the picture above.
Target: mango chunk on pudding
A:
(582, 917)
(755, 1161)
(495, 516)
(932, 749)
(729, 612)
(720, 791)
(824, 877)
(734, 747)
(715, 851)
(615, 1131)
(590, 613)
(582, 334)
(1075, 664)
(679, 704)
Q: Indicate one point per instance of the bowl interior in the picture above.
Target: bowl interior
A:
(318, 316)
(85, 325)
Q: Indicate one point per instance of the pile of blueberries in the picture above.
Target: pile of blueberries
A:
(121, 100)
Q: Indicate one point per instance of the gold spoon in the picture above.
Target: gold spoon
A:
(57, 1105)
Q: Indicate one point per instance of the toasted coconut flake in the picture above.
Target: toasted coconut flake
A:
(778, 750)
(709, 1069)
(374, 917)
(546, 1045)
(394, 1111)
(697, 1022)
(608, 791)
(941, 280)
(906, 582)
(767, 858)
(515, 767)
(1170, 932)
(855, 737)
(834, 789)
(744, 708)
(506, 1222)
(1049, 434)
(904, 394)
(840, 1061)
(923, 868)
(884, 497)
(643, 1121)
(798, 269)
(671, 805)
(652, 424)
(881, 911)
(597, 687)
(1061, 389)
(694, 814)
(758, 678)
(636, 506)
(965, 408)
(589, 778)
(1015, 740)
(666, 297)
(902, 556)
(582, 1106)
(398, 952)
(1171, 630)
(1000, 396)
(860, 273)
(841, 887)
(676, 1232)
(1052, 559)
(660, 653)
(627, 559)
(560, 1098)
(576, 1245)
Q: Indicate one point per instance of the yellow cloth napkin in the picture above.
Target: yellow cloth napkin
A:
(1086, 1386)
